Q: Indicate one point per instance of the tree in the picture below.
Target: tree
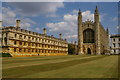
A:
(71, 49)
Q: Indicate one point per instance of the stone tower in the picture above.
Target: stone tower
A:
(80, 32)
(92, 38)
(97, 25)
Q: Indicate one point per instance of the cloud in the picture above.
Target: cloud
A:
(71, 36)
(70, 18)
(52, 15)
(102, 16)
(36, 8)
(26, 25)
(68, 26)
(75, 11)
(87, 15)
(37, 29)
(0, 16)
(117, 27)
(115, 19)
(0, 11)
(32, 0)
(9, 16)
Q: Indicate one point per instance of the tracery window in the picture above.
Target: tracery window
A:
(88, 36)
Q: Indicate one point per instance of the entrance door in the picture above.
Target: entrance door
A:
(88, 51)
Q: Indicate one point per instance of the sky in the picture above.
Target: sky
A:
(58, 17)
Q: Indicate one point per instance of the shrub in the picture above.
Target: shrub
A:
(5, 55)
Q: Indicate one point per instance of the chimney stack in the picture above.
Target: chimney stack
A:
(44, 31)
(65, 39)
(75, 42)
(60, 36)
(18, 23)
(51, 35)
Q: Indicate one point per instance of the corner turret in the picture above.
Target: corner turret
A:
(107, 30)
(96, 15)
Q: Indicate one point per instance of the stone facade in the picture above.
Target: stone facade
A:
(92, 37)
(115, 44)
(21, 42)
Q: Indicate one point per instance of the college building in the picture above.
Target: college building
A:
(115, 44)
(92, 37)
(21, 42)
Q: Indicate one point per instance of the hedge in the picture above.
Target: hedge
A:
(5, 55)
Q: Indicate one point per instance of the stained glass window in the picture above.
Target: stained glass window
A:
(88, 36)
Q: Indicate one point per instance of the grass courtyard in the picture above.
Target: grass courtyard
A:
(71, 66)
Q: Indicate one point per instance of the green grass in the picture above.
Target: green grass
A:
(72, 66)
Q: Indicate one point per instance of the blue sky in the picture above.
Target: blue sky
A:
(58, 17)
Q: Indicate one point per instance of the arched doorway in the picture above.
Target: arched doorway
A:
(88, 51)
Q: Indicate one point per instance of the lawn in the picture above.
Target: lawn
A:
(71, 66)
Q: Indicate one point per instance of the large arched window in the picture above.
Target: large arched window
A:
(88, 36)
